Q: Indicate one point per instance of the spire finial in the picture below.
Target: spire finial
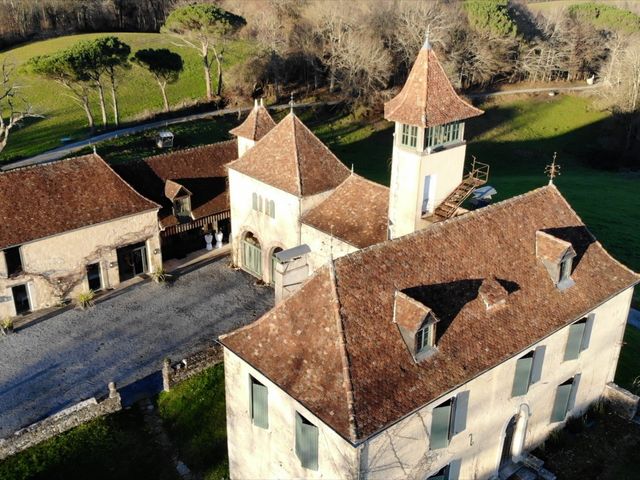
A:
(95, 152)
(552, 170)
(291, 104)
(427, 45)
(261, 101)
(352, 169)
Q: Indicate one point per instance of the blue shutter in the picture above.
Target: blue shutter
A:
(522, 376)
(574, 391)
(440, 420)
(259, 404)
(561, 402)
(574, 342)
(586, 336)
(306, 443)
(454, 469)
(460, 409)
(538, 361)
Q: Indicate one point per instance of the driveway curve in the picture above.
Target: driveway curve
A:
(72, 356)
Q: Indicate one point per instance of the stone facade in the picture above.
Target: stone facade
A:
(403, 449)
(54, 268)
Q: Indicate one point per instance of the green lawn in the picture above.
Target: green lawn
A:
(112, 447)
(628, 372)
(139, 95)
(195, 417)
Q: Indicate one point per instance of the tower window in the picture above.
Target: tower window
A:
(444, 134)
(409, 136)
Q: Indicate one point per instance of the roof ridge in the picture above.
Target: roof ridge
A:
(440, 225)
(46, 164)
(344, 354)
(295, 152)
(125, 182)
(183, 150)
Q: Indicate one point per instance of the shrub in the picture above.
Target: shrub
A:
(6, 325)
(159, 275)
(84, 300)
(606, 16)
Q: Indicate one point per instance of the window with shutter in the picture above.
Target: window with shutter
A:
(272, 209)
(259, 404)
(254, 200)
(565, 399)
(440, 426)
(522, 378)
(577, 337)
(538, 361)
(306, 442)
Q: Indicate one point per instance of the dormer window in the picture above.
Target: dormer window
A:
(180, 198)
(557, 256)
(416, 324)
(182, 207)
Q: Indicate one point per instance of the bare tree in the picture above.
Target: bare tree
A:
(14, 108)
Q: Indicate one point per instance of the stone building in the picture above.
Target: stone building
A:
(191, 187)
(443, 354)
(70, 226)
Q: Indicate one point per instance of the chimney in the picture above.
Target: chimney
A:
(291, 271)
(492, 294)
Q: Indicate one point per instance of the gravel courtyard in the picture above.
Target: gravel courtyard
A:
(72, 356)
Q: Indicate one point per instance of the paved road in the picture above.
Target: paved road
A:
(72, 356)
(70, 148)
(534, 90)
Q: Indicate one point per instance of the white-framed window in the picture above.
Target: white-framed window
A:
(424, 337)
(409, 135)
(446, 134)
(182, 206)
(254, 201)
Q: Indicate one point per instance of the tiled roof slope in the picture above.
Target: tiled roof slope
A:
(257, 124)
(356, 212)
(427, 97)
(52, 198)
(200, 170)
(443, 267)
(306, 359)
(291, 158)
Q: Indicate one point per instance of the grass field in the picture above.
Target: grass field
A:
(628, 372)
(195, 417)
(139, 94)
(112, 447)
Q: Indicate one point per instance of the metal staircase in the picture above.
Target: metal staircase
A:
(477, 177)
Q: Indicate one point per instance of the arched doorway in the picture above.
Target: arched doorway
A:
(251, 255)
(514, 437)
(507, 446)
(272, 263)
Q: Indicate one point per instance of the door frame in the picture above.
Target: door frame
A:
(29, 299)
(100, 276)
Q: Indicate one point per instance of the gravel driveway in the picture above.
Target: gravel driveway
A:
(72, 356)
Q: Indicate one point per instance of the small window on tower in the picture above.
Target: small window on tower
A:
(409, 136)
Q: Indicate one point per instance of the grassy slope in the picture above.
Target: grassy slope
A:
(111, 447)
(195, 416)
(138, 95)
(628, 370)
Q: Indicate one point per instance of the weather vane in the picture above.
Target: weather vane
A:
(552, 170)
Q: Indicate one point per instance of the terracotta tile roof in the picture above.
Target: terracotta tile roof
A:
(442, 267)
(291, 158)
(199, 170)
(427, 97)
(309, 362)
(52, 198)
(356, 212)
(257, 124)
(172, 189)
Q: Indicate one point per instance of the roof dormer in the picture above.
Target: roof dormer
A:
(557, 256)
(417, 325)
(180, 197)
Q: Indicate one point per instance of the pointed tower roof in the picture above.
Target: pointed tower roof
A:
(291, 158)
(428, 98)
(256, 125)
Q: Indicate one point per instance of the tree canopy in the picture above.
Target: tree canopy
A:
(606, 16)
(490, 15)
(163, 64)
(203, 20)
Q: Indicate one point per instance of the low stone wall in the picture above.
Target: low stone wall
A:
(60, 422)
(624, 403)
(174, 373)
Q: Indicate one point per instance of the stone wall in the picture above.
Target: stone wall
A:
(60, 422)
(624, 403)
(174, 373)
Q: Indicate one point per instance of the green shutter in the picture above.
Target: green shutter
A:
(538, 361)
(440, 420)
(459, 413)
(574, 391)
(561, 402)
(259, 404)
(575, 341)
(523, 374)
(586, 336)
(306, 443)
